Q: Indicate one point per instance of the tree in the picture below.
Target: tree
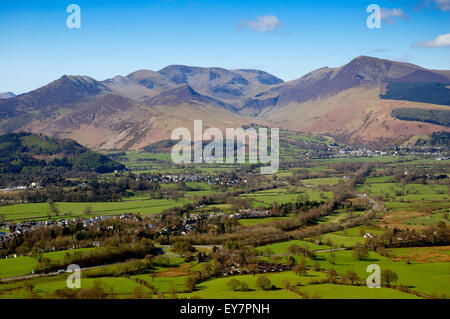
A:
(268, 252)
(263, 283)
(137, 293)
(234, 284)
(182, 246)
(53, 209)
(316, 266)
(173, 293)
(331, 275)
(149, 258)
(96, 292)
(206, 270)
(244, 286)
(253, 269)
(111, 292)
(29, 288)
(242, 258)
(88, 210)
(276, 260)
(351, 276)
(332, 259)
(190, 283)
(291, 262)
(302, 197)
(218, 266)
(294, 249)
(388, 276)
(201, 256)
(300, 269)
(360, 252)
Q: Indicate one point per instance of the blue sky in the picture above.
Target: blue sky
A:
(285, 38)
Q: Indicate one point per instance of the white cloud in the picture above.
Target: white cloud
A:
(262, 24)
(443, 5)
(442, 41)
(390, 16)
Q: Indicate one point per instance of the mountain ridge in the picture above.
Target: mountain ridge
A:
(126, 112)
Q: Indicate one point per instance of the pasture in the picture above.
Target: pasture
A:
(427, 278)
(283, 195)
(37, 211)
(282, 248)
(334, 291)
(218, 288)
(23, 265)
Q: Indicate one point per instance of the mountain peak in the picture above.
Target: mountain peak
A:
(77, 78)
(363, 70)
(80, 83)
(366, 58)
(178, 74)
(367, 68)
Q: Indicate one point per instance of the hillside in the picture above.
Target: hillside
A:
(179, 95)
(31, 153)
(62, 95)
(361, 71)
(108, 121)
(354, 103)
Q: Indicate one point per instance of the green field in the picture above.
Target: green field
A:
(351, 236)
(342, 240)
(414, 204)
(120, 287)
(431, 278)
(12, 267)
(258, 221)
(337, 216)
(430, 219)
(282, 195)
(322, 181)
(411, 192)
(143, 206)
(165, 284)
(23, 265)
(428, 278)
(282, 248)
(331, 291)
(218, 289)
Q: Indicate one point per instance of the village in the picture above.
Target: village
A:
(187, 223)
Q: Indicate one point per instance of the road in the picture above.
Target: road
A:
(374, 204)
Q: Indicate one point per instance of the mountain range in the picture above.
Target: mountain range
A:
(355, 103)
